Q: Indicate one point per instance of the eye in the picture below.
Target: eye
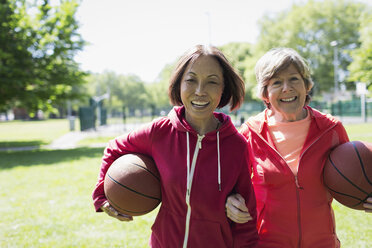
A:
(213, 82)
(276, 83)
(294, 79)
(190, 80)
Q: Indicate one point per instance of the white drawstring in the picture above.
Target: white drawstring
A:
(219, 161)
(188, 161)
(190, 175)
(188, 215)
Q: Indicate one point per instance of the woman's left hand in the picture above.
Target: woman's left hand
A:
(368, 205)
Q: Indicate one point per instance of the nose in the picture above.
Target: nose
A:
(200, 90)
(286, 86)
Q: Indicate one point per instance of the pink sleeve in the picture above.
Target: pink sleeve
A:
(138, 141)
(342, 133)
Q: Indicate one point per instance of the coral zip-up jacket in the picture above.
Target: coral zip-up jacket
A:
(293, 211)
(219, 162)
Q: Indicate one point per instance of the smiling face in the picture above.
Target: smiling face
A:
(286, 93)
(201, 89)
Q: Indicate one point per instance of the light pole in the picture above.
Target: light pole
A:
(335, 64)
(209, 27)
(97, 100)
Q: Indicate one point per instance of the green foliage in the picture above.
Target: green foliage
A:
(309, 28)
(37, 54)
(15, 61)
(237, 53)
(241, 56)
(158, 91)
(125, 90)
(361, 67)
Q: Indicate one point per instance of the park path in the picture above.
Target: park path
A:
(70, 140)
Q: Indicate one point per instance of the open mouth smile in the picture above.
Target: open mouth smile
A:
(291, 99)
(199, 104)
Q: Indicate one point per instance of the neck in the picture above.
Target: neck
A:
(203, 126)
(280, 117)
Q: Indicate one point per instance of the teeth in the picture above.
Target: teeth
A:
(199, 103)
(288, 99)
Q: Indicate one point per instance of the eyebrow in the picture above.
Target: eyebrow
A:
(291, 74)
(211, 75)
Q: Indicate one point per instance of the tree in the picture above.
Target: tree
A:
(240, 56)
(158, 91)
(42, 72)
(361, 67)
(125, 90)
(16, 62)
(310, 28)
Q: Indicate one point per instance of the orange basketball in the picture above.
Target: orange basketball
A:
(348, 173)
(132, 184)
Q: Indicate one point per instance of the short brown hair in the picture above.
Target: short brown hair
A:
(233, 92)
(276, 60)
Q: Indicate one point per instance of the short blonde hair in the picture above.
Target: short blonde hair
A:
(276, 60)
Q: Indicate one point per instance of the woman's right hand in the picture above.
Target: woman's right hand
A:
(111, 211)
(236, 209)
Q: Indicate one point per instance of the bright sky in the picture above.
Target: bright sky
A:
(142, 36)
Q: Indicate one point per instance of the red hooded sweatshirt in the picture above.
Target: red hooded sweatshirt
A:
(197, 174)
(293, 211)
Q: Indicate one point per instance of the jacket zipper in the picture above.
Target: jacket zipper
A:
(298, 187)
(190, 175)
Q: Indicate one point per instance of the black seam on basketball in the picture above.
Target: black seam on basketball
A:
(129, 211)
(147, 171)
(148, 196)
(347, 179)
(356, 198)
(361, 163)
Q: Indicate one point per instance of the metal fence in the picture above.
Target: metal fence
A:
(352, 108)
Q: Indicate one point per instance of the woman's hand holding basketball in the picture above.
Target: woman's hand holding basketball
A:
(236, 209)
(368, 206)
(111, 211)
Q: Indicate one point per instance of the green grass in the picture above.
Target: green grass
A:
(45, 198)
(31, 133)
(361, 132)
(46, 202)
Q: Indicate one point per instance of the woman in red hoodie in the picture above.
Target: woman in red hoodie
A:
(198, 155)
(289, 143)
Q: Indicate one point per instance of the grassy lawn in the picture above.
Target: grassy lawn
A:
(47, 203)
(32, 133)
(46, 197)
(361, 132)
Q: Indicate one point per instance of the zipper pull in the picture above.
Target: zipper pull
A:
(297, 183)
(200, 137)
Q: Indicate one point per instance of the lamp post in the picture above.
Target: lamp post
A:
(335, 64)
(209, 28)
(361, 90)
(97, 100)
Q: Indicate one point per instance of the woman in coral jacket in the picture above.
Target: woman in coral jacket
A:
(198, 154)
(289, 143)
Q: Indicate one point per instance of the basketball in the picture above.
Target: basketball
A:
(132, 184)
(348, 173)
